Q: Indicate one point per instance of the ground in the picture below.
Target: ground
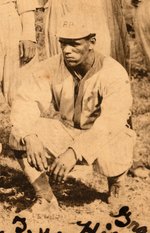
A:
(84, 198)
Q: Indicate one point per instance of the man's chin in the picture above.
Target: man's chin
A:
(72, 63)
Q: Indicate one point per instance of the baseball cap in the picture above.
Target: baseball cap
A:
(75, 25)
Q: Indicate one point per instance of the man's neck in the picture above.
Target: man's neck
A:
(83, 68)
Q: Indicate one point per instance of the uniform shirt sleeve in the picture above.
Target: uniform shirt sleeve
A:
(26, 5)
(26, 10)
(33, 98)
(115, 110)
(28, 26)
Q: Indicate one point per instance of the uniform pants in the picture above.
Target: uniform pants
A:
(142, 29)
(114, 158)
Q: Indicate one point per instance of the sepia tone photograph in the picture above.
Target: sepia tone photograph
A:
(74, 116)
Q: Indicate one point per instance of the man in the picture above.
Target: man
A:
(89, 99)
(142, 28)
(94, 10)
(17, 32)
(114, 41)
(17, 43)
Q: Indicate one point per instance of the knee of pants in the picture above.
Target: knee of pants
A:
(115, 158)
(54, 136)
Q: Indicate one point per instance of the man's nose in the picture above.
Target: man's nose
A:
(67, 49)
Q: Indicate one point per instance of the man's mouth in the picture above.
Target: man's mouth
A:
(69, 59)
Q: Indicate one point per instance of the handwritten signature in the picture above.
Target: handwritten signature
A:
(124, 212)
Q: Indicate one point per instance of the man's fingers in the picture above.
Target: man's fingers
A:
(39, 162)
(29, 160)
(26, 54)
(33, 161)
(35, 152)
(21, 49)
(32, 53)
(56, 172)
(61, 174)
(65, 174)
(29, 50)
(52, 167)
(29, 54)
(36, 160)
(44, 160)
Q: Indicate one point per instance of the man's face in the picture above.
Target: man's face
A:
(75, 51)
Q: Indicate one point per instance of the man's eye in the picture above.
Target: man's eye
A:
(76, 43)
(62, 44)
(73, 44)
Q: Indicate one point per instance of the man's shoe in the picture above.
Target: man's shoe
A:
(43, 208)
(117, 196)
(0, 147)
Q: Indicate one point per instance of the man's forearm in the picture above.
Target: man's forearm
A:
(28, 26)
(26, 5)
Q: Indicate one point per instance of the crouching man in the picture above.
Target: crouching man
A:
(91, 101)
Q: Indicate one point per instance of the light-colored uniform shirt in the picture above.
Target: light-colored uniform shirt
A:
(99, 104)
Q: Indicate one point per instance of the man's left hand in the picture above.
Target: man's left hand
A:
(27, 50)
(62, 165)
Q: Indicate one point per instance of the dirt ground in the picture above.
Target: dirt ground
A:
(84, 196)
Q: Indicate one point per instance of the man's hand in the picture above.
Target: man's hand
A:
(27, 50)
(62, 165)
(36, 155)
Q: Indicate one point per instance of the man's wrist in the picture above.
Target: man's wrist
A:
(73, 152)
(28, 138)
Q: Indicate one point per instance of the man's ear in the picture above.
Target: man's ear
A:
(92, 41)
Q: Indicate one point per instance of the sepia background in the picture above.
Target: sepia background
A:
(77, 200)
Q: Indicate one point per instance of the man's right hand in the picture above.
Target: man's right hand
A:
(36, 155)
(27, 50)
